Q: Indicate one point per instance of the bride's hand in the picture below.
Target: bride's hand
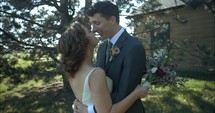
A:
(78, 107)
(142, 91)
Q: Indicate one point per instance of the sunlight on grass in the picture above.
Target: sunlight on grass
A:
(196, 85)
(16, 90)
(23, 63)
(31, 83)
(36, 95)
(57, 78)
(197, 96)
(3, 85)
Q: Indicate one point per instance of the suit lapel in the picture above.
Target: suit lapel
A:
(118, 44)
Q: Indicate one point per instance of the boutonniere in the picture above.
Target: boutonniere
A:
(113, 52)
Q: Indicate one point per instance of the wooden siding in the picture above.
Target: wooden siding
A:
(200, 28)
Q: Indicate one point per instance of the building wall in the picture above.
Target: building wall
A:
(199, 30)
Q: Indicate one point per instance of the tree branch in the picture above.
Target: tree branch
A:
(21, 42)
(20, 17)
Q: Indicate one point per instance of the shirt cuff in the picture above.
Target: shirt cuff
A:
(90, 109)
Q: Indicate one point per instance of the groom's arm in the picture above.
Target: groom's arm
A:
(134, 65)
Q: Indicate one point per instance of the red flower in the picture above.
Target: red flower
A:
(160, 72)
(116, 50)
(113, 52)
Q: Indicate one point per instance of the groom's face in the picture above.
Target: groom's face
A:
(101, 25)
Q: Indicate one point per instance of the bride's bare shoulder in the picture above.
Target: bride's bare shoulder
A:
(98, 73)
(99, 69)
(97, 79)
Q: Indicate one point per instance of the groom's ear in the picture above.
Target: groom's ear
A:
(113, 20)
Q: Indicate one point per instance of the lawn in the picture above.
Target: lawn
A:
(37, 96)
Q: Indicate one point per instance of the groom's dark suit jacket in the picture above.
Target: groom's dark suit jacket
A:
(126, 69)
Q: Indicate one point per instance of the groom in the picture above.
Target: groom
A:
(125, 66)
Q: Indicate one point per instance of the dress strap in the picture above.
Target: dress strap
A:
(90, 73)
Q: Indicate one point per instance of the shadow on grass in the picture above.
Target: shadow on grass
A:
(45, 71)
(51, 99)
(207, 76)
(180, 101)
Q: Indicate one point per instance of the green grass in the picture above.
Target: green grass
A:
(34, 96)
(23, 63)
(38, 96)
(196, 97)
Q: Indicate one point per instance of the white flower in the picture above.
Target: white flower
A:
(154, 69)
(147, 84)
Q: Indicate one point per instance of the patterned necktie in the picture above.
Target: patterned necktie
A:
(109, 45)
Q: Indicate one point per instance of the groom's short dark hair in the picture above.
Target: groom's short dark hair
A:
(106, 9)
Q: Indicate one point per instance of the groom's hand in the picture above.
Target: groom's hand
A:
(78, 107)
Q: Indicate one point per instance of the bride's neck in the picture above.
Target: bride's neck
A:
(89, 58)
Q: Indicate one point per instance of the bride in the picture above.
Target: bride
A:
(90, 84)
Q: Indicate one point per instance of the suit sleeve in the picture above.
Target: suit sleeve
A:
(134, 67)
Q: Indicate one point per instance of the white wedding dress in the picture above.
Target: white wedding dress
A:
(87, 96)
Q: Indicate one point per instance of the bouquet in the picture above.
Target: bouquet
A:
(161, 72)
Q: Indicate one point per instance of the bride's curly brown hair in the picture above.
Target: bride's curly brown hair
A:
(72, 46)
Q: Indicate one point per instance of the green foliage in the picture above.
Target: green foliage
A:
(38, 96)
(195, 97)
(33, 27)
(43, 93)
(30, 78)
(19, 71)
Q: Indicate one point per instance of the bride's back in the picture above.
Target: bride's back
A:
(77, 83)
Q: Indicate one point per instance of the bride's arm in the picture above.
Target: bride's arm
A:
(99, 91)
(126, 103)
(102, 98)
